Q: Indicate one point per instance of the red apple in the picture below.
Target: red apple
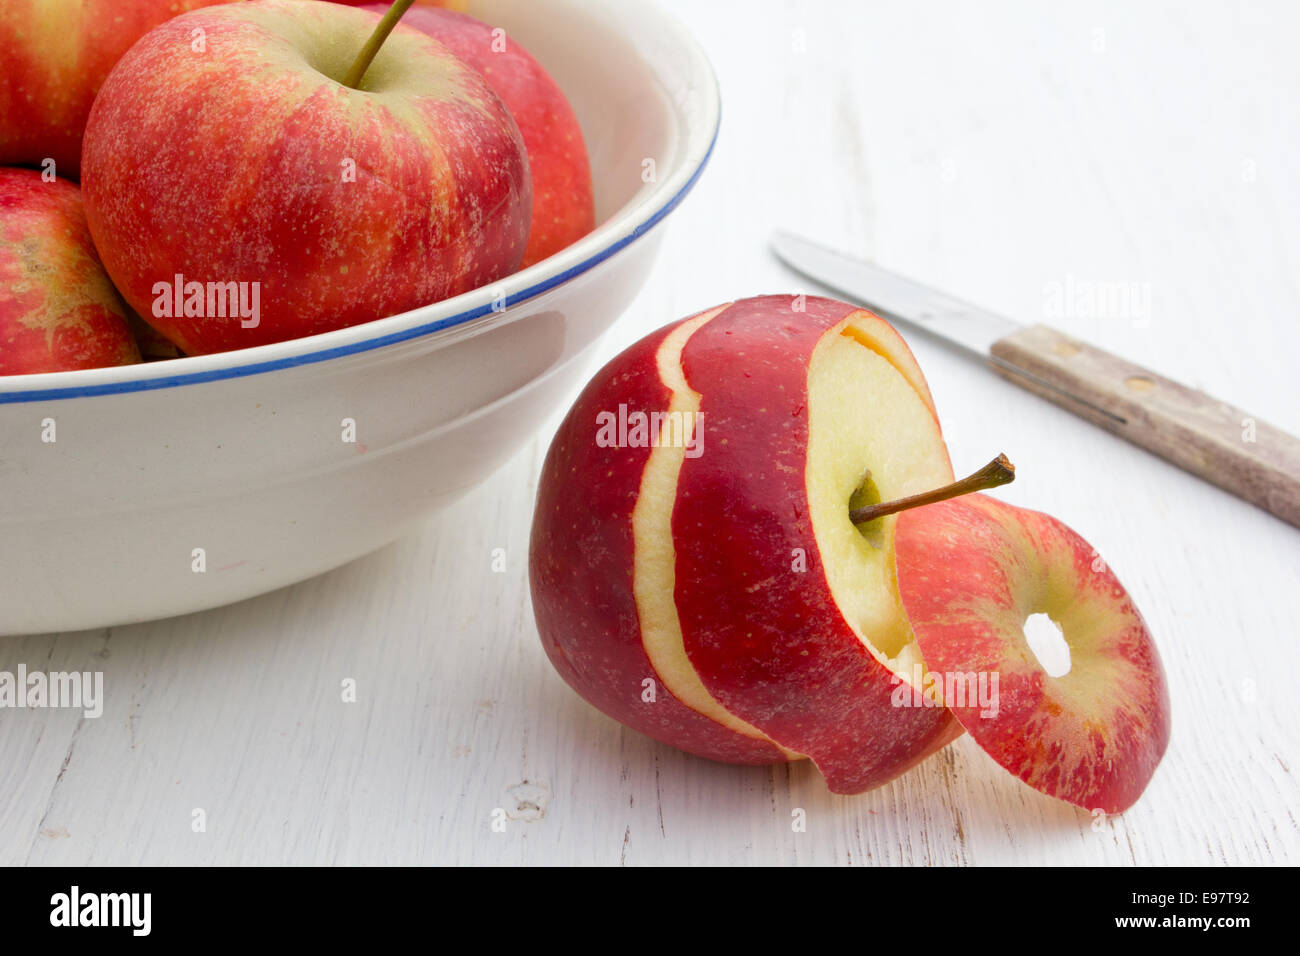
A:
(563, 208)
(56, 54)
(245, 167)
(971, 572)
(708, 558)
(58, 310)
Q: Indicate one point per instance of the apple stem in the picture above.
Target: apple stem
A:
(999, 471)
(385, 27)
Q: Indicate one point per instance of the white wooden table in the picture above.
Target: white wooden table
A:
(1017, 155)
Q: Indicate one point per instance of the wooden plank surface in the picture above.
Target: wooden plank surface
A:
(1124, 173)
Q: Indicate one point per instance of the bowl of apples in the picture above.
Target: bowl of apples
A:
(299, 276)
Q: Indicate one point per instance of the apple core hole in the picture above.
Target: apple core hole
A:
(868, 494)
(1047, 641)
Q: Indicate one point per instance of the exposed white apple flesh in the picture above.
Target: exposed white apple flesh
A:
(868, 429)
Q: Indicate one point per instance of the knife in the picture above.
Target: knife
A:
(1220, 443)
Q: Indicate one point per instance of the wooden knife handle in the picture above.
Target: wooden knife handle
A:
(1222, 444)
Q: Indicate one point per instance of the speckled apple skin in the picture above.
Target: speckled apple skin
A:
(779, 655)
(581, 565)
(229, 166)
(58, 310)
(563, 207)
(970, 572)
(56, 54)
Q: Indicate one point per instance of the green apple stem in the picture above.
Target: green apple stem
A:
(999, 471)
(385, 27)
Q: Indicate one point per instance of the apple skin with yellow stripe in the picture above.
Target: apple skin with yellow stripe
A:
(249, 161)
(56, 55)
(723, 569)
(58, 311)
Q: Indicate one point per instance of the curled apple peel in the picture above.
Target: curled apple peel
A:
(971, 572)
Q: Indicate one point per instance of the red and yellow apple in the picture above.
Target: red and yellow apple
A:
(56, 54)
(242, 162)
(743, 546)
(971, 572)
(563, 208)
(58, 309)
(710, 552)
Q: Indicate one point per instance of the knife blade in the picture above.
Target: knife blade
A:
(1209, 438)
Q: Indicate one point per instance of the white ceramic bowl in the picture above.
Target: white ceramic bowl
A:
(242, 454)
